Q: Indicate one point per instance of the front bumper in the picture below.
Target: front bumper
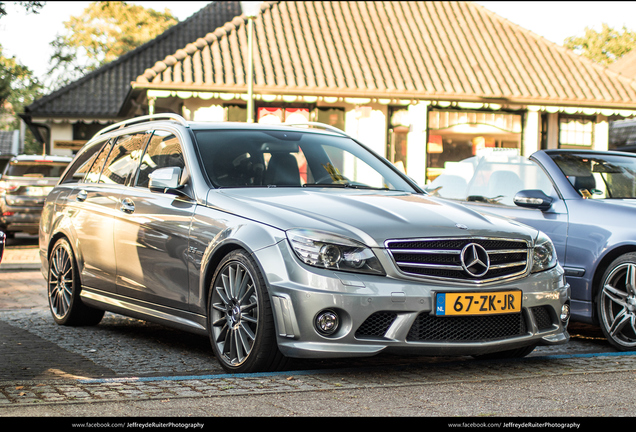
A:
(396, 314)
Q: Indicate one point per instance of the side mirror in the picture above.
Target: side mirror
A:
(165, 180)
(533, 198)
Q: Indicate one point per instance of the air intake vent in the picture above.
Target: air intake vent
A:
(429, 328)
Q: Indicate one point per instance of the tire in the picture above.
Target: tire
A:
(616, 303)
(64, 289)
(240, 320)
(514, 353)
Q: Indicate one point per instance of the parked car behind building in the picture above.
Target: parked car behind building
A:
(586, 202)
(281, 242)
(24, 184)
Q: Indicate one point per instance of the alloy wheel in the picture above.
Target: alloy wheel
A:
(234, 313)
(60, 282)
(617, 305)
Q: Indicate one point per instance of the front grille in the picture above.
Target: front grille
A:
(451, 259)
(543, 318)
(430, 328)
(376, 325)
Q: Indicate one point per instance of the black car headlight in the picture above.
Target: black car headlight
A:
(331, 251)
(544, 255)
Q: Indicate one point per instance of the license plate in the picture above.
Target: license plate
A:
(38, 191)
(478, 303)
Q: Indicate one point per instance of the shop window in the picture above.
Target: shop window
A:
(275, 115)
(85, 131)
(576, 131)
(331, 116)
(457, 135)
(235, 113)
(399, 123)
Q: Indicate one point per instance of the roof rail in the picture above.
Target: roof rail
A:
(141, 119)
(320, 125)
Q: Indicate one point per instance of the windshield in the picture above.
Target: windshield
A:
(36, 169)
(258, 158)
(599, 176)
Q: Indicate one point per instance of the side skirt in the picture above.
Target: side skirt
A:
(175, 318)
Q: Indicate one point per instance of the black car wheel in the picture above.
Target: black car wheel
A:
(240, 321)
(616, 302)
(64, 289)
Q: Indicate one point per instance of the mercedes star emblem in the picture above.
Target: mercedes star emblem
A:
(475, 260)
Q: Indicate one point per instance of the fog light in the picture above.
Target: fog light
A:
(565, 313)
(327, 322)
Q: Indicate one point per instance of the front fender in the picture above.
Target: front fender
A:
(210, 242)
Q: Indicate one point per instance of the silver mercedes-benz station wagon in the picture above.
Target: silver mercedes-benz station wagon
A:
(285, 241)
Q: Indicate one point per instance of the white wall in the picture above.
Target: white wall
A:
(61, 132)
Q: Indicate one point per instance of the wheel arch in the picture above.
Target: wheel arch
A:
(212, 265)
(602, 266)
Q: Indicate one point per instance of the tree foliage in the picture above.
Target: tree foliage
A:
(102, 33)
(18, 88)
(30, 6)
(604, 47)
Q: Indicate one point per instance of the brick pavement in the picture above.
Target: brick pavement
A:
(161, 388)
(22, 254)
(126, 360)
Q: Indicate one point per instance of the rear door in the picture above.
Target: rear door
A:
(90, 207)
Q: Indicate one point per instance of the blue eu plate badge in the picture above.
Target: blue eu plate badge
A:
(441, 304)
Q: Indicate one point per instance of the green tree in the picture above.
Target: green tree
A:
(18, 88)
(102, 33)
(30, 6)
(604, 47)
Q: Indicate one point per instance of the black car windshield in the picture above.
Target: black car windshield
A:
(268, 158)
(598, 176)
(43, 168)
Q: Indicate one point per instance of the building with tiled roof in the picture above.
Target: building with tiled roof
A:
(423, 83)
(76, 111)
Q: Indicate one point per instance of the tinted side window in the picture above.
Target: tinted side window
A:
(164, 150)
(81, 164)
(498, 182)
(493, 179)
(123, 159)
(95, 164)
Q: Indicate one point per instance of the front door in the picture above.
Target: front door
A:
(152, 230)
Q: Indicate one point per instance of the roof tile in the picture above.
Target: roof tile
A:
(102, 92)
(415, 49)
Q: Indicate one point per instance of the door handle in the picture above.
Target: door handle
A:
(127, 205)
(81, 196)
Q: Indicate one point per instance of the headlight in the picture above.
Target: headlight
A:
(543, 256)
(330, 251)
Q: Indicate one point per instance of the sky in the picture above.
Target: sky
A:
(27, 36)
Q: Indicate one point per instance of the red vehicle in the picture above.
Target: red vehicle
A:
(2, 239)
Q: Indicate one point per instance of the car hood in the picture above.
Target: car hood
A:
(368, 216)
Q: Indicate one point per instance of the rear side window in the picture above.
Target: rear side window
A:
(36, 169)
(123, 160)
(82, 163)
(95, 164)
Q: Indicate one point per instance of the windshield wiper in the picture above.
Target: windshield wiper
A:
(343, 186)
